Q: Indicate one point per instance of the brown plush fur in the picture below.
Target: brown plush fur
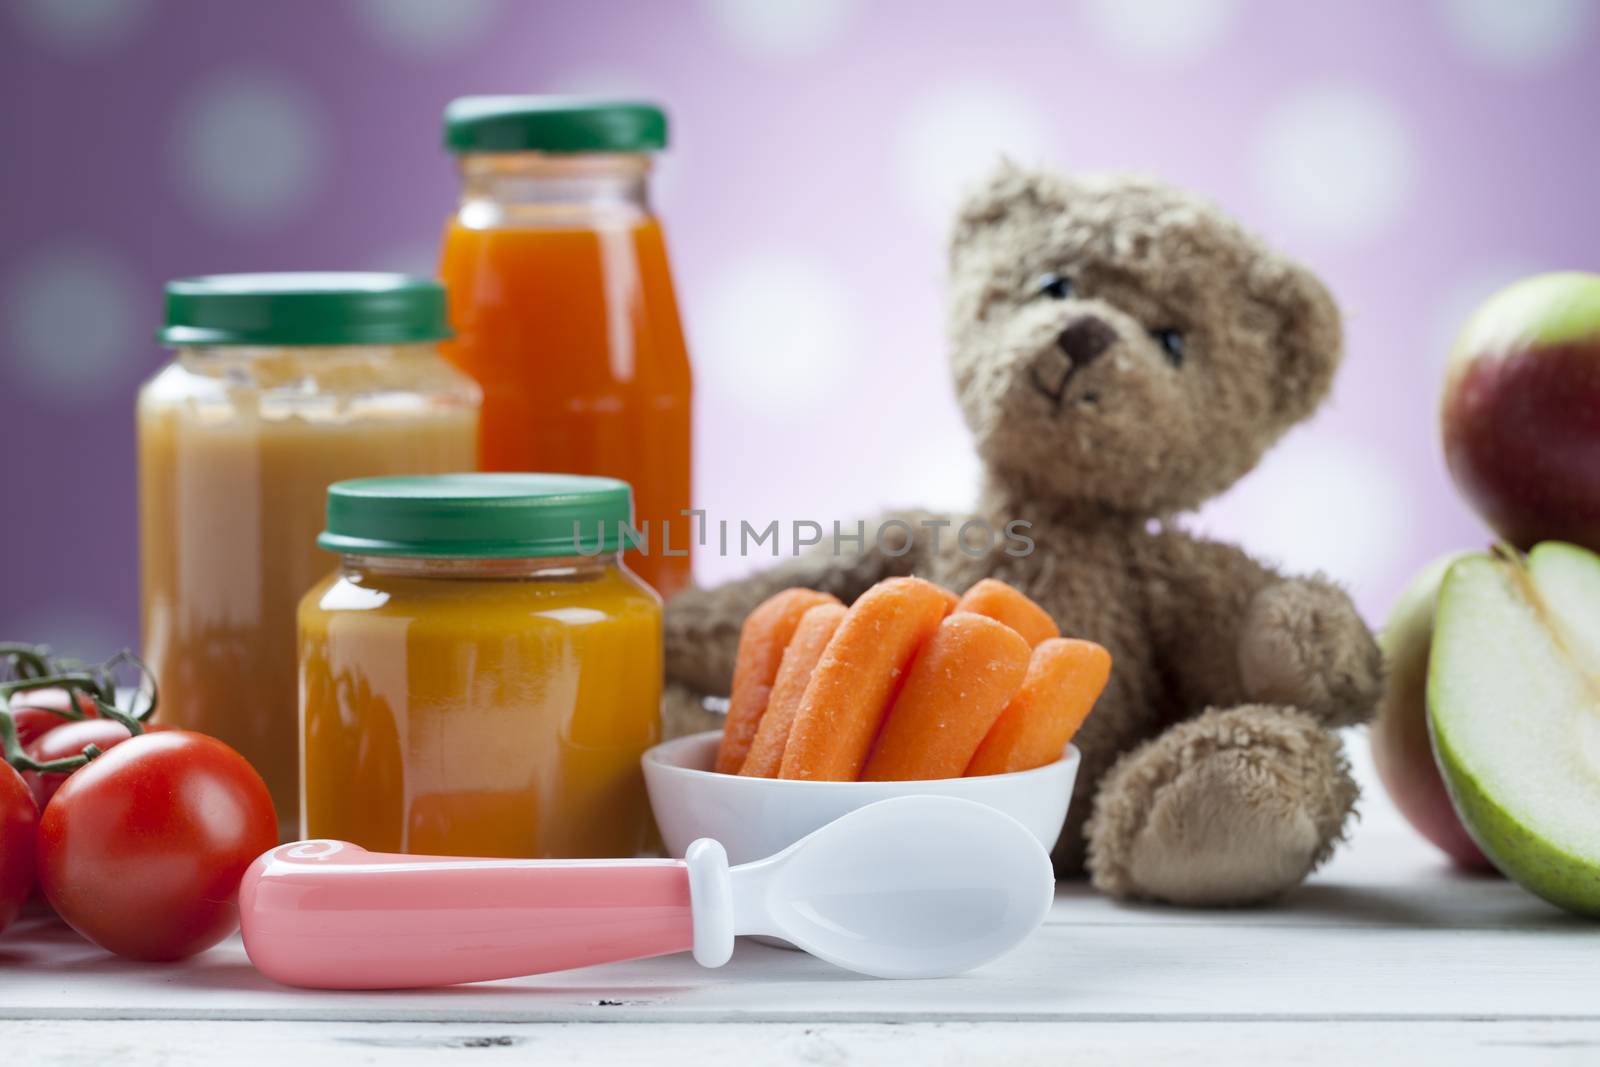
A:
(1210, 775)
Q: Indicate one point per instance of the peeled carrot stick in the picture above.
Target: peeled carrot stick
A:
(1006, 604)
(762, 639)
(959, 684)
(857, 676)
(1065, 677)
(810, 638)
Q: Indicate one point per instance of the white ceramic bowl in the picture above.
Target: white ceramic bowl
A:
(755, 817)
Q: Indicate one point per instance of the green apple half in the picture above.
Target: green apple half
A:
(1514, 712)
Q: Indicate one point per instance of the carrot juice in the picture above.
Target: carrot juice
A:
(563, 305)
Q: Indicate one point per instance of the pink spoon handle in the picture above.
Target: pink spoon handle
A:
(331, 915)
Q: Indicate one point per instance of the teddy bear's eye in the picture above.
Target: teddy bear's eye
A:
(1053, 286)
(1171, 342)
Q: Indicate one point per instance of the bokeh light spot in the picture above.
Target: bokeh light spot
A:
(251, 149)
(1335, 163)
(782, 29)
(1518, 35)
(428, 28)
(954, 136)
(775, 336)
(1161, 30)
(72, 313)
(81, 25)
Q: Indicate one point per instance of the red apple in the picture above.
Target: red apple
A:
(1521, 410)
(1400, 745)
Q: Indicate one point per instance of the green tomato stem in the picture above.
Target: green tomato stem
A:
(24, 762)
(147, 683)
(78, 681)
(133, 723)
(24, 660)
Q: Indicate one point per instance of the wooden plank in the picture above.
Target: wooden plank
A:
(202, 1044)
(1066, 973)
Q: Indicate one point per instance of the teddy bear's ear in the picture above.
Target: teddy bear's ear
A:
(1007, 189)
(1308, 334)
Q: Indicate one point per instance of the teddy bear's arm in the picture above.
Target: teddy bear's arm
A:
(1230, 630)
(1304, 645)
(702, 625)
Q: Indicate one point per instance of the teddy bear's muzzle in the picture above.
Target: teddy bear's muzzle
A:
(1084, 340)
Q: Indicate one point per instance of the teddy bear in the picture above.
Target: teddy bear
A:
(1122, 351)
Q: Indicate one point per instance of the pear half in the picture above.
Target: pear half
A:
(1514, 713)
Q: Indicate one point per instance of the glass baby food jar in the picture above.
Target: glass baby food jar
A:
(563, 304)
(281, 385)
(482, 674)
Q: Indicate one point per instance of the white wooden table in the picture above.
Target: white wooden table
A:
(1385, 956)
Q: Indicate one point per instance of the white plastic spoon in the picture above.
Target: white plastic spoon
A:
(914, 887)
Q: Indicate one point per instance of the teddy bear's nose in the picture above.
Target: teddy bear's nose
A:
(1085, 339)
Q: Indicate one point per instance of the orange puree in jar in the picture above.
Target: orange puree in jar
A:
(563, 303)
(462, 695)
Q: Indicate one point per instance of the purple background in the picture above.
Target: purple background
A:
(1419, 155)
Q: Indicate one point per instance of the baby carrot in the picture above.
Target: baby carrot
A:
(1064, 678)
(960, 683)
(810, 638)
(857, 676)
(1006, 604)
(762, 639)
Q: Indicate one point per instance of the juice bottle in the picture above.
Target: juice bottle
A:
(563, 306)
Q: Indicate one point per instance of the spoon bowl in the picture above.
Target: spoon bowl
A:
(913, 887)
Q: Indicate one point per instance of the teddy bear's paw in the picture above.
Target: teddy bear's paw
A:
(1303, 645)
(1233, 807)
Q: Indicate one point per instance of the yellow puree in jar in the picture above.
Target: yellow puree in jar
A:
(482, 716)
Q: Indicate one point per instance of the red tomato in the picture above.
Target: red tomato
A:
(34, 723)
(19, 821)
(38, 711)
(141, 851)
(71, 740)
(54, 699)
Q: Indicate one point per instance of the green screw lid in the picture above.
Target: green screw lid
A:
(552, 124)
(477, 516)
(305, 308)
